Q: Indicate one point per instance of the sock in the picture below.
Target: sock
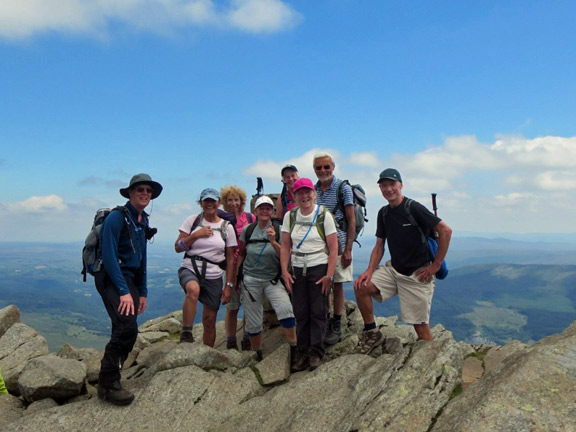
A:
(246, 337)
(337, 317)
(187, 329)
(231, 339)
(371, 326)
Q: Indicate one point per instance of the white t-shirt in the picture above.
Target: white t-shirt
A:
(313, 242)
(211, 248)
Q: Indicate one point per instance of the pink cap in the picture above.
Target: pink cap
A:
(303, 183)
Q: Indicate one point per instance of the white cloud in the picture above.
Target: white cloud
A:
(20, 19)
(37, 204)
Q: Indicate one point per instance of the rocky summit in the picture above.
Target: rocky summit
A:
(406, 385)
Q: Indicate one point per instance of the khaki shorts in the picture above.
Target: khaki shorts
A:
(344, 274)
(415, 296)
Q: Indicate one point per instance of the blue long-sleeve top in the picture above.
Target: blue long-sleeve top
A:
(123, 248)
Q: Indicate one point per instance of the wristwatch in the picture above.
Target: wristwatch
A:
(230, 284)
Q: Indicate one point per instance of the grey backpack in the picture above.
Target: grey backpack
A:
(90, 262)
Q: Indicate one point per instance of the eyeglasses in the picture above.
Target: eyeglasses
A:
(319, 167)
(141, 189)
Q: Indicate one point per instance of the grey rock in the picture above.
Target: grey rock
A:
(74, 353)
(40, 405)
(9, 315)
(51, 377)
(532, 390)
(169, 325)
(154, 336)
(11, 409)
(496, 355)
(19, 344)
(275, 368)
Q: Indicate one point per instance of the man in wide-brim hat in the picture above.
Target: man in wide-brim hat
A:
(122, 280)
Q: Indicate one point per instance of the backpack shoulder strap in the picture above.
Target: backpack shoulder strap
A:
(320, 221)
(197, 222)
(249, 230)
(293, 218)
(277, 227)
(412, 219)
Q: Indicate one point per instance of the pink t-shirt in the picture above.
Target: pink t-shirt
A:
(241, 222)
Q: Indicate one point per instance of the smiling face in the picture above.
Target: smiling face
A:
(392, 191)
(233, 204)
(210, 206)
(306, 198)
(140, 196)
(264, 212)
(289, 177)
(323, 167)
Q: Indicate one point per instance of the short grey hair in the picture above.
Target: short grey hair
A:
(322, 155)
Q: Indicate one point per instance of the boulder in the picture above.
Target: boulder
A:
(9, 315)
(53, 377)
(11, 409)
(533, 389)
(19, 344)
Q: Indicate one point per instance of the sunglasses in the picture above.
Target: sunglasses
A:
(141, 189)
(319, 167)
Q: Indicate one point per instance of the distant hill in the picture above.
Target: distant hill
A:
(497, 290)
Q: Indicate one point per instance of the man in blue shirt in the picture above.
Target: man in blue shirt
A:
(327, 194)
(122, 283)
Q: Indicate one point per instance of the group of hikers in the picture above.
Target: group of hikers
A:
(295, 259)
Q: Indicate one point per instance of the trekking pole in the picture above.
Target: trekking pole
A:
(259, 186)
(434, 207)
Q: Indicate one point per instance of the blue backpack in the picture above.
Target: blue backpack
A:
(430, 239)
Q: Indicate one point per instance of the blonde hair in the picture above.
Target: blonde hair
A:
(232, 190)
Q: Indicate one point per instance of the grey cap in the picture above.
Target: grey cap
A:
(390, 174)
(142, 179)
(290, 167)
(209, 193)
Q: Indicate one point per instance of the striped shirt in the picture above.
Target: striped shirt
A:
(330, 199)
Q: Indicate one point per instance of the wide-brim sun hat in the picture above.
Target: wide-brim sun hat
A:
(390, 174)
(302, 183)
(263, 200)
(142, 179)
(210, 193)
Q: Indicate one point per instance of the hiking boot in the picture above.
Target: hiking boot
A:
(314, 361)
(259, 355)
(231, 345)
(368, 341)
(301, 362)
(334, 332)
(115, 394)
(186, 337)
(245, 344)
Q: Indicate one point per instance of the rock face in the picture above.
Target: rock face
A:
(534, 389)
(407, 385)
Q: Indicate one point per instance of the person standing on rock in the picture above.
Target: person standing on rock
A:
(308, 254)
(122, 284)
(339, 199)
(410, 273)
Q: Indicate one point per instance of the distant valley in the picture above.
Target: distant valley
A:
(497, 290)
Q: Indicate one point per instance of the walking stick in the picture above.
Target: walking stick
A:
(434, 207)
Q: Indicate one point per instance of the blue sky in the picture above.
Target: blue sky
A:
(474, 101)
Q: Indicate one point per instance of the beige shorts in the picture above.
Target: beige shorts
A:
(415, 296)
(344, 274)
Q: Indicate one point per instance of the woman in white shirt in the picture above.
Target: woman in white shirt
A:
(308, 257)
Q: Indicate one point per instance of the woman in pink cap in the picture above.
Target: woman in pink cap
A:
(308, 257)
